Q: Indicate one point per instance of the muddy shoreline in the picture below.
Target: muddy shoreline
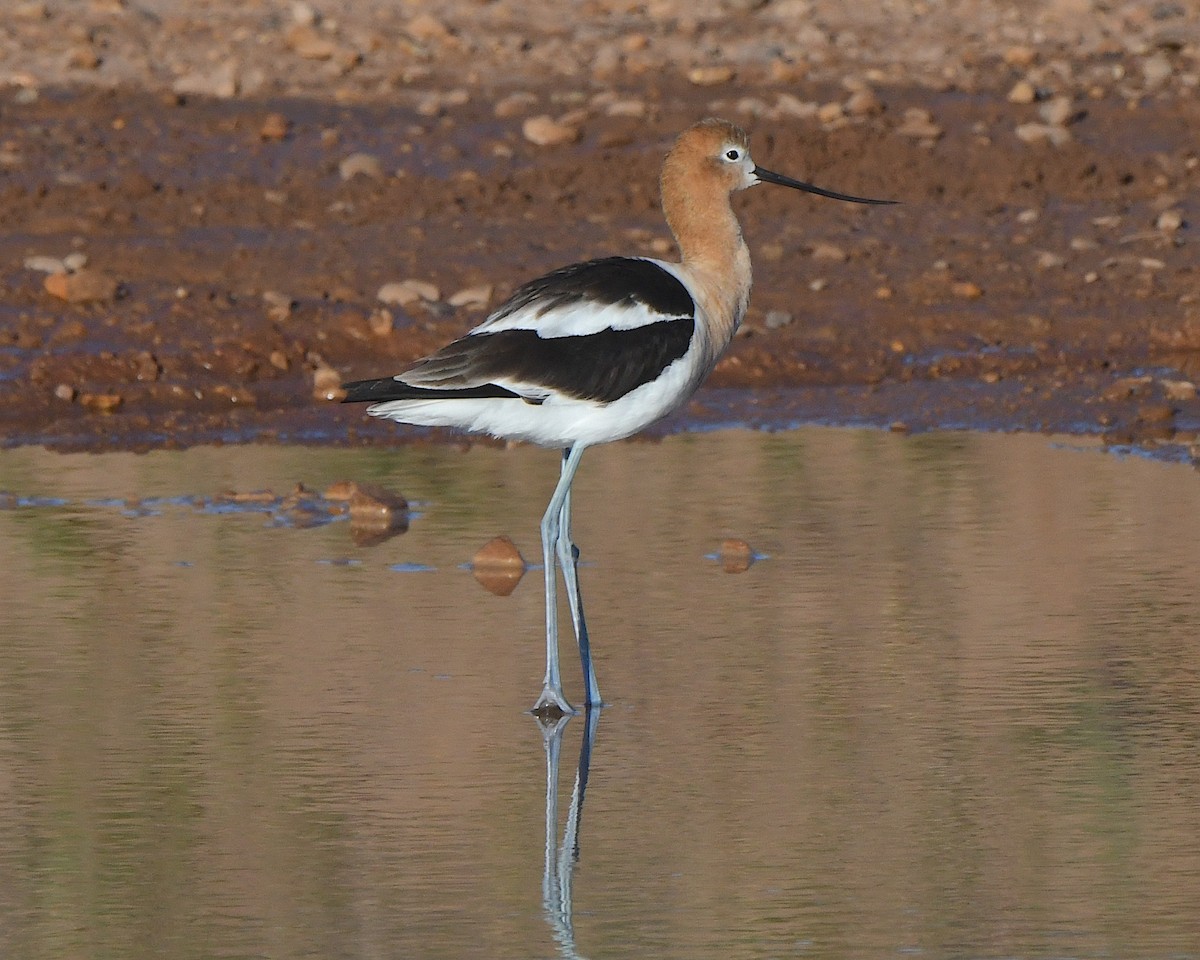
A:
(237, 248)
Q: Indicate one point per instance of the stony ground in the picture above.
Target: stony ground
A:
(210, 213)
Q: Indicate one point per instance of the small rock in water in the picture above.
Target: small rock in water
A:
(372, 505)
(498, 566)
(736, 556)
(499, 552)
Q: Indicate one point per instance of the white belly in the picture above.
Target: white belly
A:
(559, 421)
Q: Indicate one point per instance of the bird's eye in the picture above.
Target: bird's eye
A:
(733, 154)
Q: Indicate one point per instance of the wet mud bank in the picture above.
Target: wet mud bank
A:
(178, 270)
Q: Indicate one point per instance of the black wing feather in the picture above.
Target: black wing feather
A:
(389, 388)
(600, 366)
(608, 281)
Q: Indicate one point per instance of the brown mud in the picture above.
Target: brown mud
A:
(234, 255)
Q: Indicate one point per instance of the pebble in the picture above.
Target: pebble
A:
(304, 40)
(830, 112)
(43, 264)
(545, 131)
(279, 305)
(147, 367)
(427, 28)
(635, 109)
(403, 293)
(1156, 412)
(76, 261)
(1046, 260)
(1127, 387)
(710, 76)
(791, 106)
(919, 124)
(864, 103)
(1023, 92)
(327, 383)
(1020, 56)
(498, 566)
(513, 105)
(381, 322)
(966, 290)
(829, 252)
(736, 556)
(304, 14)
(472, 298)
(1156, 70)
(776, 319)
(499, 552)
(1178, 390)
(64, 391)
(372, 505)
(361, 164)
(101, 402)
(1169, 220)
(219, 81)
(1056, 111)
(84, 286)
(275, 126)
(1043, 133)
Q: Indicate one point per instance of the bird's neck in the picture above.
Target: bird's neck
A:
(713, 253)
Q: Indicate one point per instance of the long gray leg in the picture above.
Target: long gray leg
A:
(568, 559)
(552, 693)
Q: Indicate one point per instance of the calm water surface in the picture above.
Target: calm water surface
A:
(954, 712)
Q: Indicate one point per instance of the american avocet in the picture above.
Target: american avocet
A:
(599, 350)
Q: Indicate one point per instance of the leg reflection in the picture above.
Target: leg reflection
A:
(561, 857)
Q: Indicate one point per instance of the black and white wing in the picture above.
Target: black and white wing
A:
(591, 331)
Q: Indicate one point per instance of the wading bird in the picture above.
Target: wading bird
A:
(597, 351)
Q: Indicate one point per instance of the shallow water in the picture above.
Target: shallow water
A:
(953, 712)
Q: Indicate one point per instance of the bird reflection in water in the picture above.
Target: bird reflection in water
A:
(561, 857)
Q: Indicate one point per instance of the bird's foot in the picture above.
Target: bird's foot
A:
(552, 704)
